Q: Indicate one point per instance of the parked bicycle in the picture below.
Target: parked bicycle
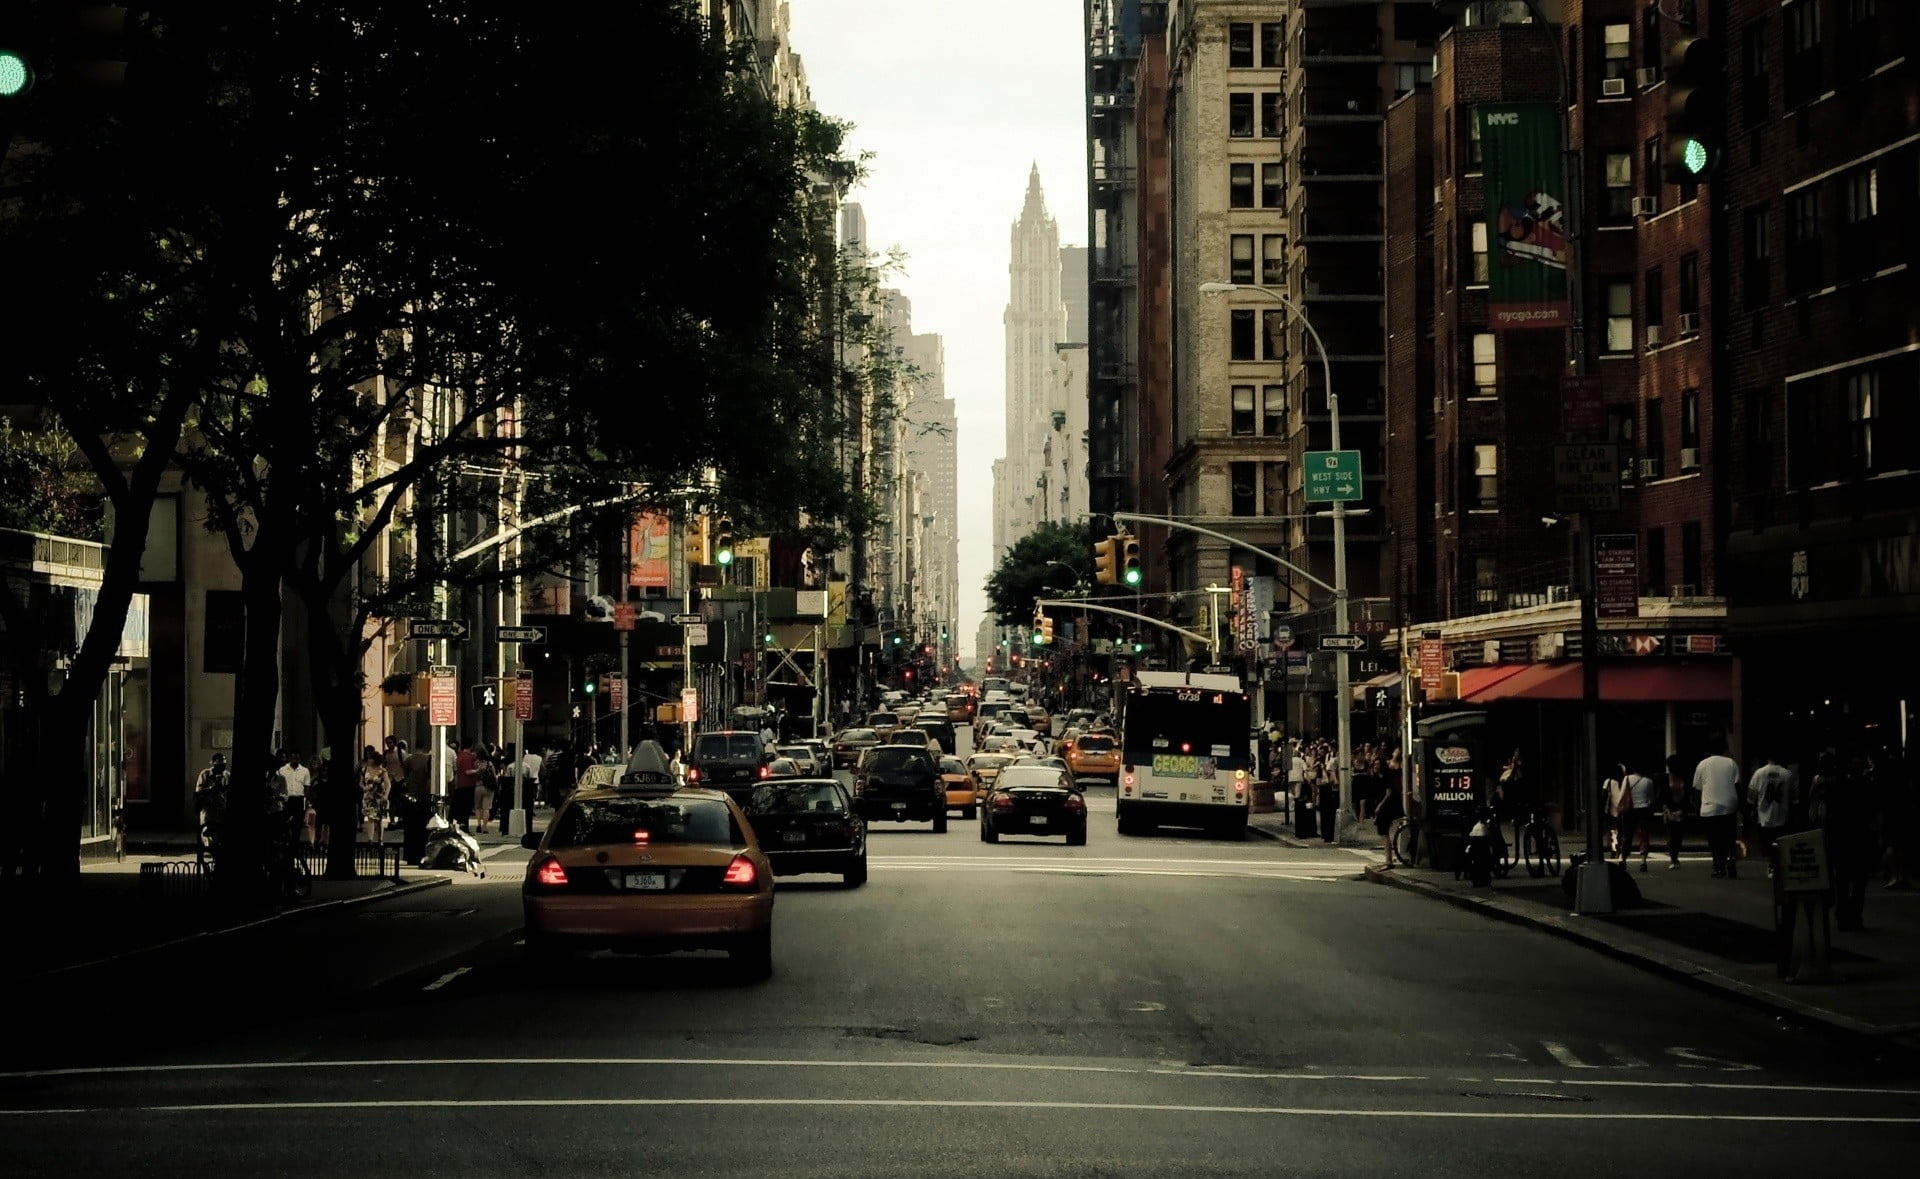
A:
(286, 861)
(1539, 843)
(1403, 842)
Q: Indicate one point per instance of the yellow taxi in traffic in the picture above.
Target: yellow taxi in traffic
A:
(1094, 755)
(984, 768)
(648, 867)
(958, 784)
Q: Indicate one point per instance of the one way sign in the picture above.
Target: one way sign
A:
(437, 628)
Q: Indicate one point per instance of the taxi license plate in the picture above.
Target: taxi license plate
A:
(1037, 820)
(899, 806)
(646, 881)
(794, 836)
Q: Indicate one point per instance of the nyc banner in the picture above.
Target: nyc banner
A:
(1526, 215)
(649, 546)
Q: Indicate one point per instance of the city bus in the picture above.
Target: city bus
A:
(1186, 753)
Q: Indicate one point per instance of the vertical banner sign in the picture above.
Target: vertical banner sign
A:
(649, 549)
(443, 697)
(1433, 661)
(1243, 633)
(616, 693)
(1616, 575)
(1526, 215)
(523, 696)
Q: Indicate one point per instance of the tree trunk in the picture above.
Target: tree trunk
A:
(334, 670)
(256, 695)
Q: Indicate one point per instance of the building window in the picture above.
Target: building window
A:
(1245, 492)
(1655, 435)
(1806, 444)
(1241, 322)
(1241, 424)
(1475, 159)
(1754, 80)
(1615, 54)
(1801, 20)
(1689, 428)
(1650, 165)
(1859, 205)
(1757, 282)
(1486, 366)
(1273, 334)
(1619, 175)
(1758, 452)
(1273, 488)
(1239, 46)
(1486, 580)
(1239, 186)
(1657, 561)
(1485, 491)
(1240, 258)
(1273, 183)
(1619, 317)
(1273, 259)
(1240, 114)
(1412, 75)
(1803, 240)
(1863, 409)
(1652, 40)
(1690, 286)
(1655, 303)
(1273, 42)
(1692, 564)
(1273, 410)
(1478, 244)
(1273, 114)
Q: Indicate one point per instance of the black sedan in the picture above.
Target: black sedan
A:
(1034, 800)
(808, 825)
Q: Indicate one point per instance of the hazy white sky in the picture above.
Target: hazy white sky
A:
(956, 99)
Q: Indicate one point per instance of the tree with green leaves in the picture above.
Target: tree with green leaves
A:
(1033, 568)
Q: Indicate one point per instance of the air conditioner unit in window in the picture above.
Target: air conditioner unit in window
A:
(1646, 206)
(1490, 651)
(1680, 591)
(1559, 593)
(1551, 645)
(1646, 76)
(1613, 87)
(1689, 323)
(1649, 468)
(1689, 458)
(1653, 335)
(1436, 194)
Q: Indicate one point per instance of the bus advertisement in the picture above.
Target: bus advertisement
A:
(1186, 753)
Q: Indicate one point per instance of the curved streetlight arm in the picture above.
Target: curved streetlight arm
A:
(1075, 604)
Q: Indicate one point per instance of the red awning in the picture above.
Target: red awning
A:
(1475, 680)
(1662, 683)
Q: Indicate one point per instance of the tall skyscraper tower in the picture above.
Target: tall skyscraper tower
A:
(1035, 320)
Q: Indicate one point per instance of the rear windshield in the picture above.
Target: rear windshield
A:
(952, 765)
(796, 751)
(859, 735)
(882, 718)
(1029, 775)
(1093, 744)
(603, 821)
(989, 761)
(719, 745)
(899, 757)
(821, 797)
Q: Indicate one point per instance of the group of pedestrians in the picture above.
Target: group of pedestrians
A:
(1308, 771)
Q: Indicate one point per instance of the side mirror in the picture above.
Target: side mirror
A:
(531, 841)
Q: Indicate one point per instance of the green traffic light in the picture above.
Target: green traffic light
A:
(1133, 577)
(589, 687)
(768, 638)
(723, 557)
(1694, 156)
(16, 76)
(1038, 638)
(1138, 647)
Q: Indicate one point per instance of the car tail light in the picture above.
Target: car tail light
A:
(549, 874)
(741, 874)
(1075, 805)
(766, 771)
(641, 837)
(1002, 802)
(1239, 781)
(693, 773)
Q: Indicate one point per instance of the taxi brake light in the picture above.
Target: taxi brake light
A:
(551, 874)
(766, 771)
(741, 874)
(1002, 802)
(641, 836)
(693, 773)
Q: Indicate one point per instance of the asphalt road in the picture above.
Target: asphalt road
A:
(1166, 1006)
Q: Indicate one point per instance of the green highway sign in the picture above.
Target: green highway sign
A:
(1333, 476)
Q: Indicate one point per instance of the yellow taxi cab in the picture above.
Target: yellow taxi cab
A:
(1094, 755)
(958, 784)
(648, 867)
(984, 768)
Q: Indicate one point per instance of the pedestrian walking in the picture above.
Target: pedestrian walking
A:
(466, 780)
(1843, 806)
(1673, 813)
(485, 780)
(376, 787)
(1619, 802)
(1635, 813)
(416, 802)
(1717, 781)
(1385, 815)
(1771, 789)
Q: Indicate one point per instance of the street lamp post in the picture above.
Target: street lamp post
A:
(1343, 672)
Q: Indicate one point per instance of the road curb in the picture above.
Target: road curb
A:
(400, 890)
(1898, 1038)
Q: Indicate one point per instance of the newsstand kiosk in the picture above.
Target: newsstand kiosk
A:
(1450, 750)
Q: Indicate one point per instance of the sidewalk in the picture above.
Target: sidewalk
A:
(1718, 935)
(106, 917)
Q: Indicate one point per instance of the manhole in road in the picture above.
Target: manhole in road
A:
(1491, 1096)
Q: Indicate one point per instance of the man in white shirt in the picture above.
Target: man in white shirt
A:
(1717, 780)
(1771, 790)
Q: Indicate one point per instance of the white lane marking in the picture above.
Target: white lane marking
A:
(1699, 1059)
(1626, 1058)
(1145, 1005)
(906, 857)
(959, 1103)
(1564, 1055)
(446, 978)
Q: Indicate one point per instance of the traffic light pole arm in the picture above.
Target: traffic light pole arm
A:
(1234, 541)
(1077, 604)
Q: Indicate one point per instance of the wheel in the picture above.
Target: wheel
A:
(987, 833)
(940, 823)
(1533, 851)
(855, 876)
(752, 956)
(297, 883)
(1405, 842)
(1077, 838)
(1549, 851)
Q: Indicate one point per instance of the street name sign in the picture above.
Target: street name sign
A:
(523, 634)
(1333, 476)
(1343, 642)
(1586, 477)
(688, 619)
(437, 628)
